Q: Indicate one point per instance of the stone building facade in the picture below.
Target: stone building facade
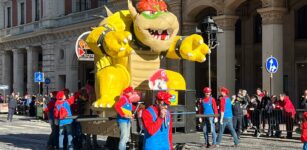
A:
(40, 35)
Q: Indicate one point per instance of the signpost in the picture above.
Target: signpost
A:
(38, 78)
(47, 82)
(272, 67)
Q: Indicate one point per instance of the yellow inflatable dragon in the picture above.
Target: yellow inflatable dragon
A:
(128, 46)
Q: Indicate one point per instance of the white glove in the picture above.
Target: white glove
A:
(216, 120)
(221, 121)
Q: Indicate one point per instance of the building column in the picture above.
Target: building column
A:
(18, 71)
(2, 15)
(32, 66)
(172, 64)
(189, 66)
(49, 65)
(71, 69)
(7, 70)
(226, 52)
(272, 45)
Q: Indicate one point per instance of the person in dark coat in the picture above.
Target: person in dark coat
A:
(12, 104)
(237, 109)
(32, 107)
(254, 114)
(304, 101)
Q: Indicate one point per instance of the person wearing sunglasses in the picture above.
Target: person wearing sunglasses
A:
(158, 124)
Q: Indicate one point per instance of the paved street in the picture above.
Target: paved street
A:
(29, 133)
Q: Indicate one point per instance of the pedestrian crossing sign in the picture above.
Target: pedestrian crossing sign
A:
(272, 65)
(39, 77)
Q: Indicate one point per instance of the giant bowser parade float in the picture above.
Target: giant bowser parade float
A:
(128, 46)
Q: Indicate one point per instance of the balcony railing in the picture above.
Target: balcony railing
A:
(73, 18)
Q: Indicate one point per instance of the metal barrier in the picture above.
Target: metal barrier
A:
(274, 122)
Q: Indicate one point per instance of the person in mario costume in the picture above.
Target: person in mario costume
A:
(158, 124)
(304, 131)
(209, 108)
(124, 110)
(61, 111)
(226, 117)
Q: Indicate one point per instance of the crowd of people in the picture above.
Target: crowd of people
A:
(246, 112)
(237, 113)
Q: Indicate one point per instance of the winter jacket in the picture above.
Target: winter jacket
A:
(288, 107)
(304, 132)
(237, 108)
(303, 103)
(12, 103)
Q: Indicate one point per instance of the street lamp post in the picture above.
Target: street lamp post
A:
(211, 30)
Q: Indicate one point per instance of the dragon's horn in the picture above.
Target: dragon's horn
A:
(109, 13)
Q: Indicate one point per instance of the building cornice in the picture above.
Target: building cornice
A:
(44, 36)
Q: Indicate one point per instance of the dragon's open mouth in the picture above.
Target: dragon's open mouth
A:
(160, 34)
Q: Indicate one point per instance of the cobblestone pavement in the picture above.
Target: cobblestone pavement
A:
(248, 142)
(29, 133)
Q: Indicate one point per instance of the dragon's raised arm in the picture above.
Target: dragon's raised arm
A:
(112, 37)
(190, 48)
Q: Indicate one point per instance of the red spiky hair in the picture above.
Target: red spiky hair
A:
(151, 5)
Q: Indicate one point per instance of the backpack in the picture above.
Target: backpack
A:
(62, 112)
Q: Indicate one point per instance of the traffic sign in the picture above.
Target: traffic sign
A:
(38, 77)
(47, 81)
(4, 87)
(271, 65)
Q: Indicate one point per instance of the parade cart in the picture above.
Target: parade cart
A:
(104, 123)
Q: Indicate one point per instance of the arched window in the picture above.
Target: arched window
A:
(301, 23)
(257, 29)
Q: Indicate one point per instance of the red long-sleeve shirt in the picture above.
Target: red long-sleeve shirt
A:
(153, 126)
(120, 103)
(206, 99)
(223, 103)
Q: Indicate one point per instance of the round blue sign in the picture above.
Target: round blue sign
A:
(47, 81)
(271, 65)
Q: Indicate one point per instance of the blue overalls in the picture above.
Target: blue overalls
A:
(208, 110)
(228, 109)
(227, 122)
(127, 106)
(124, 125)
(159, 140)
